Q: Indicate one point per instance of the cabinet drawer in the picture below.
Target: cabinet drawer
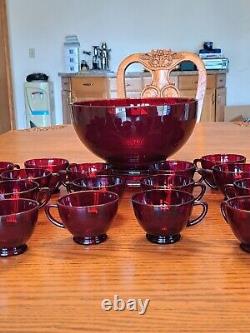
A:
(221, 81)
(188, 82)
(88, 86)
(131, 84)
(66, 84)
(112, 84)
(191, 81)
(146, 80)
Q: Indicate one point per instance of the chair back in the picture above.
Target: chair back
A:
(160, 63)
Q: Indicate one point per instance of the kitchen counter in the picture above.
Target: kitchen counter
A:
(90, 73)
(198, 285)
(91, 85)
(130, 74)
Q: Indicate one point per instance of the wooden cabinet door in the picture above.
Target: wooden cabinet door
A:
(220, 104)
(208, 110)
(66, 100)
(6, 102)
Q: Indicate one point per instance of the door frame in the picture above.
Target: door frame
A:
(4, 35)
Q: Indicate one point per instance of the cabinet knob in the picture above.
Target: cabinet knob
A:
(88, 84)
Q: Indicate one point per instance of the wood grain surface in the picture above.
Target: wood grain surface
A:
(200, 284)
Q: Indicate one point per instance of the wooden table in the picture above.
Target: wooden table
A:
(200, 284)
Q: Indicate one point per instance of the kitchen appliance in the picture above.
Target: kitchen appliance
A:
(213, 58)
(72, 54)
(85, 62)
(39, 103)
(101, 57)
(104, 56)
(96, 57)
(84, 65)
(216, 63)
(37, 77)
(208, 45)
(209, 52)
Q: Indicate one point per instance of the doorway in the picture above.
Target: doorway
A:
(7, 120)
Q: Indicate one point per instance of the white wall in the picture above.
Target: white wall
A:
(128, 26)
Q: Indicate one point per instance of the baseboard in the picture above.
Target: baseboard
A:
(237, 113)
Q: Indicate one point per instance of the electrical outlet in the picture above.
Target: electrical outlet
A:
(32, 53)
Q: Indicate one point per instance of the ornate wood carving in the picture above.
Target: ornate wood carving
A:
(160, 63)
(160, 59)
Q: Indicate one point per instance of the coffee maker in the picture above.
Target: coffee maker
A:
(104, 56)
(100, 57)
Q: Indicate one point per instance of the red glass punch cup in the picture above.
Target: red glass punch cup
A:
(99, 182)
(54, 165)
(205, 164)
(89, 170)
(5, 166)
(78, 170)
(18, 218)
(236, 212)
(238, 188)
(24, 188)
(130, 134)
(177, 167)
(86, 214)
(163, 214)
(175, 182)
(228, 173)
(43, 177)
